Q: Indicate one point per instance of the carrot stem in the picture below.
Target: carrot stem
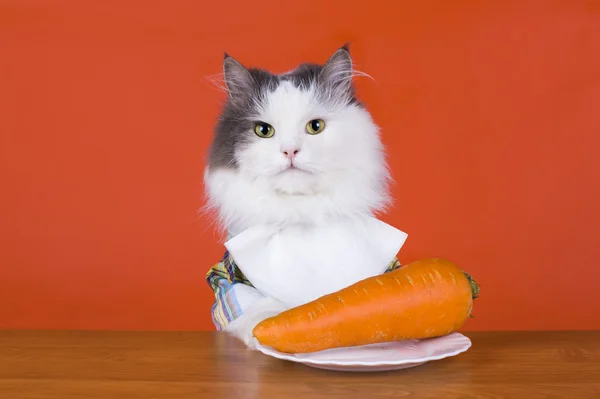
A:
(474, 286)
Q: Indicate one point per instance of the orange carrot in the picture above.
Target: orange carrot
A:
(424, 299)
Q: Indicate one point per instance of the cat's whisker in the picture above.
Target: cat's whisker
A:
(357, 73)
(213, 219)
(218, 81)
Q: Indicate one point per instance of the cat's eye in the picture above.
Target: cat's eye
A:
(264, 130)
(315, 126)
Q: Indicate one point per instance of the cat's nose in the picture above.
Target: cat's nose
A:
(291, 153)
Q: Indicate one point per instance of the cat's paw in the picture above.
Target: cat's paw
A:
(243, 332)
(243, 326)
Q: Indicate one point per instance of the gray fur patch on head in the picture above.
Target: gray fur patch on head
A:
(247, 89)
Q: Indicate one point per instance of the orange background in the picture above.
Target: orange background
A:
(491, 114)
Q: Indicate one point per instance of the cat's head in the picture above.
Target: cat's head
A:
(295, 146)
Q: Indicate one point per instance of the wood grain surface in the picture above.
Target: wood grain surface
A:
(160, 365)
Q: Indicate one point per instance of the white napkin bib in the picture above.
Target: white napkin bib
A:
(298, 264)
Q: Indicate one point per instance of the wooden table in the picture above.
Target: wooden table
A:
(210, 365)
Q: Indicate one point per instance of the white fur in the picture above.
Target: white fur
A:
(343, 174)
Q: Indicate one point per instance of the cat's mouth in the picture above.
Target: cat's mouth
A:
(293, 169)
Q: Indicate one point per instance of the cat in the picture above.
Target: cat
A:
(289, 149)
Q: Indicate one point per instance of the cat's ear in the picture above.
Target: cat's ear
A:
(238, 79)
(337, 72)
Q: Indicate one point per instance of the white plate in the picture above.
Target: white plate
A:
(378, 357)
